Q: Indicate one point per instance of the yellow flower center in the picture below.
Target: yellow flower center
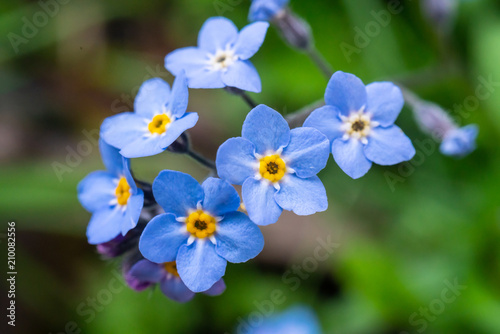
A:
(200, 224)
(272, 167)
(159, 124)
(122, 191)
(171, 267)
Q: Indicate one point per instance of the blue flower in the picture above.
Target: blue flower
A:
(167, 276)
(160, 118)
(277, 167)
(460, 142)
(298, 319)
(111, 196)
(200, 229)
(266, 10)
(221, 58)
(359, 122)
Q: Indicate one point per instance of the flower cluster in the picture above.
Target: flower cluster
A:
(179, 234)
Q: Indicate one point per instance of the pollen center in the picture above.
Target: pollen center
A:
(222, 59)
(171, 267)
(122, 191)
(200, 224)
(159, 124)
(272, 167)
(358, 126)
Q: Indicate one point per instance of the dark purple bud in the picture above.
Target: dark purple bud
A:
(294, 30)
(440, 13)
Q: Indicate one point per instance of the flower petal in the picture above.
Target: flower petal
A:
(243, 75)
(460, 142)
(266, 129)
(177, 127)
(105, 225)
(326, 119)
(199, 266)
(348, 154)
(302, 196)
(220, 197)
(162, 237)
(385, 102)
(238, 238)
(152, 98)
(190, 60)
(147, 271)
(144, 146)
(206, 78)
(123, 129)
(265, 10)
(97, 190)
(112, 158)
(180, 94)
(346, 92)
(133, 208)
(388, 146)
(307, 152)
(217, 33)
(250, 39)
(177, 192)
(217, 289)
(176, 290)
(261, 206)
(236, 160)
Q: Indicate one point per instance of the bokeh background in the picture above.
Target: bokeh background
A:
(398, 247)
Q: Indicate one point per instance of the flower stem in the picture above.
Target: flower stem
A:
(210, 164)
(320, 62)
(243, 94)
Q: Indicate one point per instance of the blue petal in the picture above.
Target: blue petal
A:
(261, 206)
(265, 10)
(180, 94)
(266, 129)
(206, 78)
(112, 158)
(177, 192)
(238, 238)
(97, 190)
(218, 288)
(302, 196)
(350, 157)
(123, 129)
(176, 290)
(152, 98)
(385, 102)
(460, 142)
(250, 39)
(162, 237)
(346, 92)
(147, 271)
(326, 119)
(236, 160)
(220, 197)
(134, 208)
(199, 266)
(105, 225)
(190, 60)
(243, 75)
(217, 33)
(307, 152)
(388, 146)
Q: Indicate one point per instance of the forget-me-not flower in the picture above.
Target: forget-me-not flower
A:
(296, 320)
(201, 229)
(167, 276)
(276, 166)
(459, 142)
(266, 10)
(359, 122)
(159, 119)
(221, 58)
(111, 196)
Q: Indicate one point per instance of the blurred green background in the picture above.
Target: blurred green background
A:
(399, 247)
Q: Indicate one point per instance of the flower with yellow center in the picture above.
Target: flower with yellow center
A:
(358, 125)
(122, 191)
(159, 124)
(201, 224)
(272, 167)
(171, 268)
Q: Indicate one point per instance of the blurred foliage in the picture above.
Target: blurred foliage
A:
(398, 246)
